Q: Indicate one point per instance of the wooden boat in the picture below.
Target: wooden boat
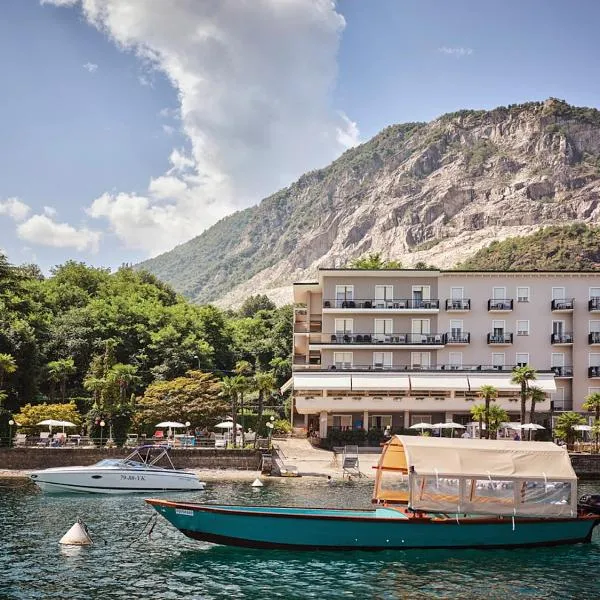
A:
(429, 493)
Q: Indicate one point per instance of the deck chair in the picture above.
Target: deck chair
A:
(350, 463)
(44, 438)
(220, 443)
(20, 439)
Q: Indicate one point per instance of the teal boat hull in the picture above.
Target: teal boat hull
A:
(379, 529)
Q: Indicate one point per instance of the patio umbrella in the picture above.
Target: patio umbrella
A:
(449, 425)
(531, 426)
(227, 425)
(56, 423)
(170, 425)
(421, 426)
(582, 428)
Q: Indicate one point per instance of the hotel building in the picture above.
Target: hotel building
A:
(374, 348)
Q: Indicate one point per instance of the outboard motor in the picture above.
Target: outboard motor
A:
(589, 503)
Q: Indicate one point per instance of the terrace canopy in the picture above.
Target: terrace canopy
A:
(499, 477)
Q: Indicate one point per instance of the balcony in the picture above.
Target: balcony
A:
(562, 372)
(564, 305)
(561, 339)
(594, 338)
(405, 304)
(375, 339)
(594, 304)
(457, 339)
(594, 372)
(458, 304)
(301, 365)
(500, 305)
(500, 339)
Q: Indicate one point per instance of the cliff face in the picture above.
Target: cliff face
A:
(433, 192)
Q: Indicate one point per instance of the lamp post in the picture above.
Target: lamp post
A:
(270, 426)
(102, 424)
(110, 442)
(10, 426)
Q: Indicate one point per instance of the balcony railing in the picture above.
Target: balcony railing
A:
(563, 304)
(563, 371)
(394, 304)
(594, 337)
(499, 338)
(594, 303)
(561, 338)
(500, 304)
(457, 338)
(382, 338)
(458, 304)
(593, 371)
(415, 368)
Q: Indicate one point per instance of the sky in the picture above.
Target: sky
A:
(130, 126)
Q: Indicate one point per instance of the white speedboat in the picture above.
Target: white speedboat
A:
(146, 469)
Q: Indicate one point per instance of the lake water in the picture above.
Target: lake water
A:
(169, 565)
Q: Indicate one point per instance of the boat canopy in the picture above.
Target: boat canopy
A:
(477, 476)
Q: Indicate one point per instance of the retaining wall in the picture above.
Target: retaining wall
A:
(201, 458)
(587, 466)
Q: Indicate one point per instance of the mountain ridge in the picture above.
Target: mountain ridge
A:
(435, 192)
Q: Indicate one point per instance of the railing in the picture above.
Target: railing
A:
(593, 371)
(457, 338)
(304, 327)
(500, 304)
(562, 371)
(458, 304)
(416, 368)
(561, 338)
(401, 339)
(393, 304)
(594, 337)
(563, 304)
(594, 303)
(499, 338)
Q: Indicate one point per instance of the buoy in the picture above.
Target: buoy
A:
(257, 483)
(77, 535)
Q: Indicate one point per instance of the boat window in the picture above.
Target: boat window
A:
(108, 462)
(487, 491)
(393, 486)
(439, 493)
(543, 493)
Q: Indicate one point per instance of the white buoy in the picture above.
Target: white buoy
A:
(77, 535)
(257, 483)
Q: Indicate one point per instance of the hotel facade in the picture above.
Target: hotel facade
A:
(378, 348)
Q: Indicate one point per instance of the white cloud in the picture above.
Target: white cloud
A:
(254, 81)
(457, 52)
(168, 129)
(90, 67)
(42, 230)
(14, 208)
(49, 211)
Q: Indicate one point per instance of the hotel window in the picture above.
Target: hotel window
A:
(414, 419)
(456, 328)
(342, 360)
(457, 293)
(558, 328)
(498, 360)
(594, 326)
(382, 360)
(420, 360)
(498, 328)
(594, 292)
(384, 295)
(499, 293)
(557, 359)
(421, 292)
(380, 421)
(593, 390)
(383, 329)
(522, 294)
(343, 295)
(341, 421)
(558, 397)
(344, 326)
(455, 360)
(558, 293)
(522, 327)
(522, 359)
(594, 359)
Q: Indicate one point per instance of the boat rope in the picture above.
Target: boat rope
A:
(153, 517)
(89, 533)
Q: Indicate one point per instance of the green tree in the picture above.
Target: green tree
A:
(254, 304)
(125, 376)
(264, 383)
(373, 260)
(8, 366)
(592, 403)
(488, 393)
(496, 416)
(522, 376)
(564, 428)
(478, 414)
(230, 389)
(535, 395)
(59, 371)
(30, 415)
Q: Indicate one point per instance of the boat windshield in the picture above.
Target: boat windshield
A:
(108, 462)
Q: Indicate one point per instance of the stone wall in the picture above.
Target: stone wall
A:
(200, 458)
(587, 466)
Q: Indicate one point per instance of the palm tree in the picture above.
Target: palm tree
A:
(243, 369)
(8, 365)
(592, 403)
(59, 372)
(564, 427)
(230, 389)
(264, 383)
(478, 413)
(522, 376)
(125, 376)
(95, 385)
(488, 393)
(497, 416)
(535, 395)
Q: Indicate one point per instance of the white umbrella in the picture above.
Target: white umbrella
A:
(56, 423)
(449, 425)
(227, 425)
(171, 424)
(582, 428)
(531, 426)
(421, 426)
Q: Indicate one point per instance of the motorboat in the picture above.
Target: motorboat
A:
(147, 469)
(429, 493)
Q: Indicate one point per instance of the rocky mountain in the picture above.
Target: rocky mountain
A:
(434, 192)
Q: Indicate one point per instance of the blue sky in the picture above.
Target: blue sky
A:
(126, 130)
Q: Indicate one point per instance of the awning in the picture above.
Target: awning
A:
(501, 383)
(544, 382)
(438, 382)
(379, 381)
(322, 381)
(287, 385)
